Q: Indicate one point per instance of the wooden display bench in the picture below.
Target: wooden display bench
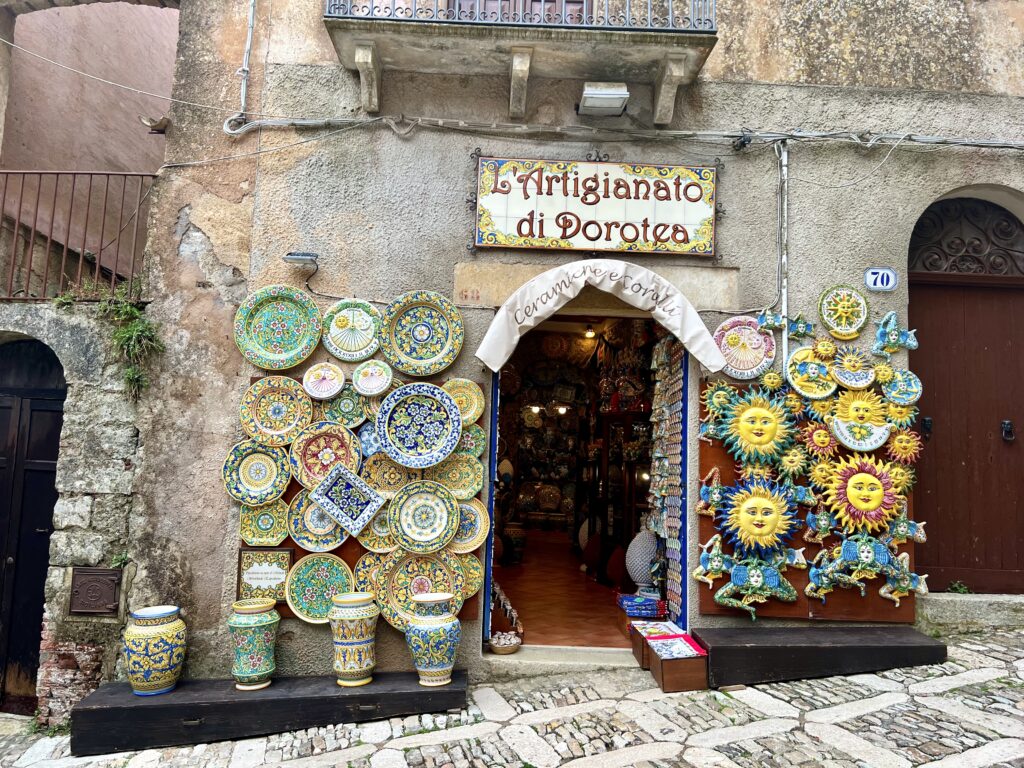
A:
(113, 719)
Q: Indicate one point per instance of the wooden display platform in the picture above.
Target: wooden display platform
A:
(113, 719)
(765, 654)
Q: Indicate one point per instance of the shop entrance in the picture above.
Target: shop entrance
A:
(967, 289)
(32, 391)
(574, 462)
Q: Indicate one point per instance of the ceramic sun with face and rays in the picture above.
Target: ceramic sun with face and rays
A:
(758, 428)
(861, 494)
(757, 518)
(859, 422)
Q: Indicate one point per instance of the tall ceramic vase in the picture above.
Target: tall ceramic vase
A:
(353, 618)
(433, 637)
(154, 649)
(253, 627)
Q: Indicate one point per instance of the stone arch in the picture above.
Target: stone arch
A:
(73, 336)
(18, 7)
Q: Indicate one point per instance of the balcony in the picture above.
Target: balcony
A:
(659, 42)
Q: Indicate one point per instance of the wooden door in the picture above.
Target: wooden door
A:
(30, 425)
(970, 324)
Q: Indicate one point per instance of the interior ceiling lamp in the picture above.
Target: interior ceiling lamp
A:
(590, 332)
(603, 99)
(562, 410)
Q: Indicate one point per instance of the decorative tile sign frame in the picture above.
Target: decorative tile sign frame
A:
(263, 572)
(595, 206)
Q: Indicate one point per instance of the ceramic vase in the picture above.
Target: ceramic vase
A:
(253, 628)
(517, 541)
(433, 637)
(154, 649)
(353, 618)
(641, 551)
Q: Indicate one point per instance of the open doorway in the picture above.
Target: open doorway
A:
(574, 474)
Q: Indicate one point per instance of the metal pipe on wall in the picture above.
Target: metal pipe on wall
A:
(233, 123)
(782, 152)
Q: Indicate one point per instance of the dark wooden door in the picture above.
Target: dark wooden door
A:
(31, 416)
(967, 302)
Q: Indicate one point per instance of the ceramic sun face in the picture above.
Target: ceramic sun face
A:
(793, 461)
(861, 494)
(758, 427)
(819, 440)
(821, 409)
(772, 381)
(716, 396)
(904, 446)
(901, 416)
(853, 368)
(903, 478)
(843, 310)
(759, 517)
(794, 404)
(860, 423)
(821, 473)
(749, 472)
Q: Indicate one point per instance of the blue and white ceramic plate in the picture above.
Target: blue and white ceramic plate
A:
(419, 425)
(905, 387)
(423, 517)
(368, 439)
(311, 527)
(256, 474)
(347, 498)
(421, 333)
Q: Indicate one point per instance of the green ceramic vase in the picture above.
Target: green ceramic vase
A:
(154, 649)
(253, 627)
(353, 618)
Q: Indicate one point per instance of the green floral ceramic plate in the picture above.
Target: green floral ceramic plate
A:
(312, 582)
(460, 473)
(421, 333)
(311, 527)
(376, 536)
(347, 408)
(474, 571)
(277, 327)
(423, 517)
(473, 441)
(265, 526)
(256, 474)
(404, 574)
(468, 396)
(367, 570)
(474, 525)
(350, 330)
(274, 410)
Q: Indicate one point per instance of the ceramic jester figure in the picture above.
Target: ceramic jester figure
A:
(902, 582)
(891, 338)
(902, 528)
(754, 580)
(712, 493)
(714, 563)
(819, 525)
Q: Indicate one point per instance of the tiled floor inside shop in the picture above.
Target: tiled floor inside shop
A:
(557, 602)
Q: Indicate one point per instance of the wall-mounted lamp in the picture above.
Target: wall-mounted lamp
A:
(590, 332)
(301, 257)
(603, 99)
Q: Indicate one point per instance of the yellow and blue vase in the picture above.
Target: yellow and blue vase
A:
(353, 618)
(433, 637)
(154, 649)
(253, 628)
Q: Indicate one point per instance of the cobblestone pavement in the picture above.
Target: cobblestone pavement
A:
(966, 713)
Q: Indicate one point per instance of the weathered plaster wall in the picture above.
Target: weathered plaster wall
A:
(387, 214)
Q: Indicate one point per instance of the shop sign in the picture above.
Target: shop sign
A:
(592, 206)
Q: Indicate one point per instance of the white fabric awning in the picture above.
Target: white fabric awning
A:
(638, 286)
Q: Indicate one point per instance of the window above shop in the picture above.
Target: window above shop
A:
(659, 42)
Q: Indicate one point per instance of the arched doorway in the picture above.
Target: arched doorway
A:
(966, 269)
(32, 391)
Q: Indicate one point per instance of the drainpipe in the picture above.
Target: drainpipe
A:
(782, 152)
(233, 123)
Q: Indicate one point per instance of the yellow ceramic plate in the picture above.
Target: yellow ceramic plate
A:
(474, 525)
(474, 570)
(468, 396)
(461, 473)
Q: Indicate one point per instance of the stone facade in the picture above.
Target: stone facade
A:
(384, 208)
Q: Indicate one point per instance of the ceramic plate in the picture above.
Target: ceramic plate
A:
(461, 474)
(421, 333)
(386, 476)
(277, 327)
(319, 448)
(377, 537)
(373, 404)
(312, 582)
(474, 525)
(256, 474)
(904, 389)
(274, 410)
(347, 408)
(748, 350)
(368, 440)
(351, 328)
(468, 396)
(323, 381)
(419, 425)
(423, 517)
(311, 527)
(348, 499)
(366, 571)
(473, 570)
(265, 526)
(808, 375)
(404, 574)
(844, 311)
(372, 378)
(853, 368)
(473, 441)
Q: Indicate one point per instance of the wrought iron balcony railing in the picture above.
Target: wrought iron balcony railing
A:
(632, 15)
